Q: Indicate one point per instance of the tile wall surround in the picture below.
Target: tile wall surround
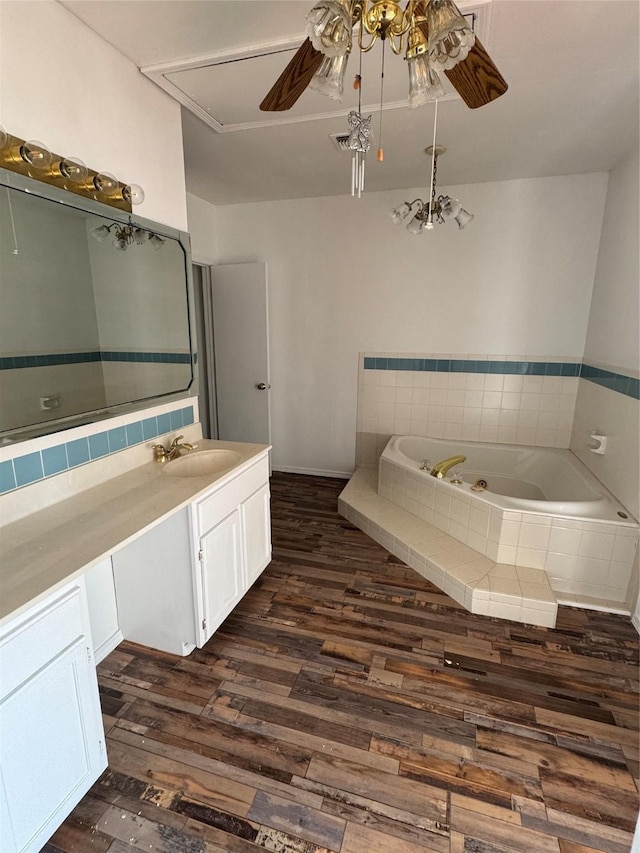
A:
(492, 398)
(58, 462)
(592, 559)
(16, 362)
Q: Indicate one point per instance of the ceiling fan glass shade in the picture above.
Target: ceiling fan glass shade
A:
(329, 78)
(329, 27)
(463, 218)
(450, 37)
(424, 83)
(449, 207)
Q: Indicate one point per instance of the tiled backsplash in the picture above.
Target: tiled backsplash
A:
(509, 400)
(31, 461)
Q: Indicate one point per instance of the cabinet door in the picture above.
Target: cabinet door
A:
(221, 567)
(256, 524)
(103, 610)
(51, 736)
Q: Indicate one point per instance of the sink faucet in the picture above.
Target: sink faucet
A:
(166, 454)
(441, 468)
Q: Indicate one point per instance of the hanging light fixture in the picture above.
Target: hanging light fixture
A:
(437, 38)
(419, 215)
(126, 235)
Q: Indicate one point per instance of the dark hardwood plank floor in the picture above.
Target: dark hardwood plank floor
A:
(348, 705)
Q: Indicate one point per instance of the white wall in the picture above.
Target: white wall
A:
(612, 335)
(613, 342)
(343, 279)
(202, 229)
(63, 85)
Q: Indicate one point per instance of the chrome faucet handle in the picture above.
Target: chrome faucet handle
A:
(425, 465)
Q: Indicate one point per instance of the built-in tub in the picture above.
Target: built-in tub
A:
(541, 508)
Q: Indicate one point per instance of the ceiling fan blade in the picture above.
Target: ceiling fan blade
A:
(476, 79)
(294, 79)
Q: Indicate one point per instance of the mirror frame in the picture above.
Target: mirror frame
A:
(23, 183)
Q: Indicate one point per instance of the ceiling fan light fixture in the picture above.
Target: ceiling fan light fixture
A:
(450, 36)
(329, 27)
(329, 78)
(424, 83)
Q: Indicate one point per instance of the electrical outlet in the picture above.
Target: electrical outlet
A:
(52, 402)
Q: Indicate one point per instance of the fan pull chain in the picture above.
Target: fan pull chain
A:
(381, 149)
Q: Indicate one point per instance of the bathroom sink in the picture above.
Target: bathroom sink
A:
(201, 463)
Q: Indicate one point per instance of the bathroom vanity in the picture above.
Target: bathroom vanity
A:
(168, 551)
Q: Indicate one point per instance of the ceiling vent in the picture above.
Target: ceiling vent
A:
(340, 140)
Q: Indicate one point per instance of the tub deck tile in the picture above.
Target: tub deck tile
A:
(473, 580)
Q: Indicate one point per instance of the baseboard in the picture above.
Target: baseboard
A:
(313, 472)
(108, 646)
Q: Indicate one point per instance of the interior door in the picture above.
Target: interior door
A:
(241, 346)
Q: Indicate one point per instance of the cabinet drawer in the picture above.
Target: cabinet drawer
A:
(211, 510)
(57, 624)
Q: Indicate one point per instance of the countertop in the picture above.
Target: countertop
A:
(45, 550)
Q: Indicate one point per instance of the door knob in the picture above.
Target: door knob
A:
(262, 386)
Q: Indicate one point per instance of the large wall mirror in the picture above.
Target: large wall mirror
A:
(95, 311)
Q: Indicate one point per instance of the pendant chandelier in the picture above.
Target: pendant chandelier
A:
(419, 215)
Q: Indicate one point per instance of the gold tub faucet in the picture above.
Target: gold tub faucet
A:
(441, 468)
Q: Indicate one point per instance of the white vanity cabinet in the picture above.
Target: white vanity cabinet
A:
(51, 735)
(232, 541)
(177, 582)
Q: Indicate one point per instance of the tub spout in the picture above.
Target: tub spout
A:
(441, 468)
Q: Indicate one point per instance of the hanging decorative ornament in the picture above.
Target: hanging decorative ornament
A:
(359, 143)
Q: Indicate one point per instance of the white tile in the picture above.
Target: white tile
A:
(506, 554)
(503, 570)
(536, 518)
(563, 565)
(505, 611)
(493, 382)
(510, 533)
(533, 536)
(565, 540)
(619, 575)
(624, 548)
(541, 618)
(598, 545)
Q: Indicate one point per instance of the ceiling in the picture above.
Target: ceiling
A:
(571, 107)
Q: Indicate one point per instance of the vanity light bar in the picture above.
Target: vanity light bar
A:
(32, 158)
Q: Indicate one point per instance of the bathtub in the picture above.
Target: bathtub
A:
(528, 479)
(541, 508)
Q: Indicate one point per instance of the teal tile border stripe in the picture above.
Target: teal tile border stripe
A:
(13, 362)
(627, 385)
(31, 467)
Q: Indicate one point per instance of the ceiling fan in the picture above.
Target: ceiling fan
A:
(437, 36)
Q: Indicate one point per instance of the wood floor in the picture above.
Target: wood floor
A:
(348, 705)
